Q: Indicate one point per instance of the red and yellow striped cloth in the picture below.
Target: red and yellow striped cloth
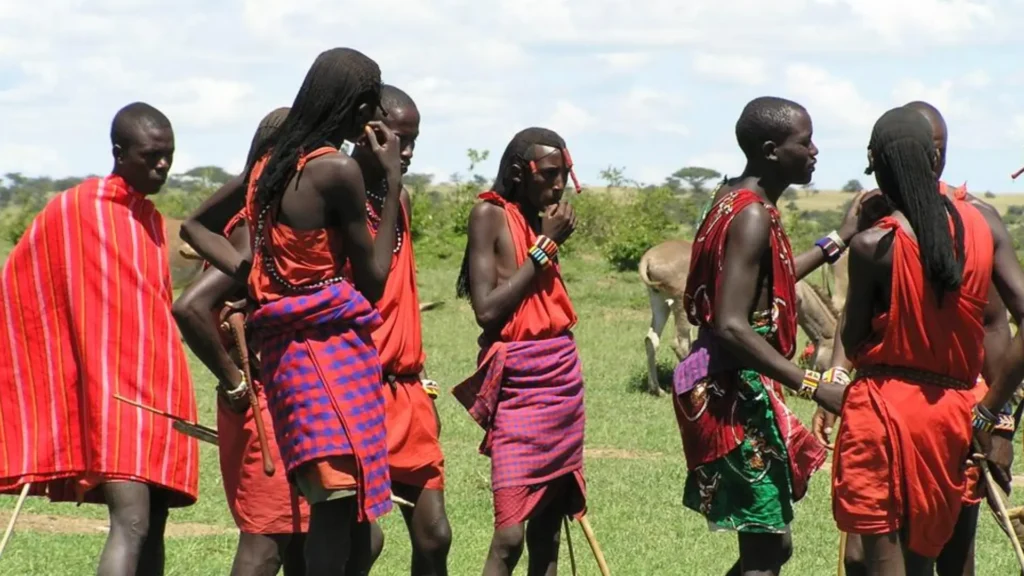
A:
(85, 313)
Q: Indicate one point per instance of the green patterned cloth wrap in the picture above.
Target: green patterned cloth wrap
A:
(747, 490)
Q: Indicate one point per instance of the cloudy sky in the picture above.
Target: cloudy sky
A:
(649, 85)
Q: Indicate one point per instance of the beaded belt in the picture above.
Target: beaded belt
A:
(429, 386)
(915, 376)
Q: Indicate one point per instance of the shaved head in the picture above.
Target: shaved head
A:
(131, 118)
(392, 98)
(938, 125)
(143, 146)
(764, 119)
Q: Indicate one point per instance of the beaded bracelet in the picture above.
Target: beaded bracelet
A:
(832, 245)
(809, 385)
(238, 391)
(984, 420)
(547, 245)
(540, 256)
(431, 388)
(836, 375)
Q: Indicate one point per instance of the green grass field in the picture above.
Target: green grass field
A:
(634, 465)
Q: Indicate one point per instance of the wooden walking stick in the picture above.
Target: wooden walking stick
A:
(236, 321)
(594, 546)
(14, 517)
(841, 570)
(1016, 174)
(568, 538)
(997, 497)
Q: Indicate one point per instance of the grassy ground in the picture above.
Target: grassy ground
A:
(634, 466)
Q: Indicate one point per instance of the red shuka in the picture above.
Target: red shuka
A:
(85, 313)
(901, 448)
(259, 504)
(414, 447)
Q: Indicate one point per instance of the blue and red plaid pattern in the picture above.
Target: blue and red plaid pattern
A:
(537, 434)
(322, 379)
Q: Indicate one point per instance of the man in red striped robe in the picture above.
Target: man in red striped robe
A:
(85, 314)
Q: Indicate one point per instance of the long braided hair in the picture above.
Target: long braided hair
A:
(516, 154)
(338, 82)
(268, 129)
(901, 155)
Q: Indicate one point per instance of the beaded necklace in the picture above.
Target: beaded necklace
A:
(374, 218)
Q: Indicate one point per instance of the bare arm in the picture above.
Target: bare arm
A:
(839, 358)
(193, 313)
(864, 271)
(203, 229)
(748, 241)
(492, 304)
(1008, 279)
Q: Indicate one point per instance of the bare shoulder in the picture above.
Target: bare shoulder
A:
(868, 246)
(486, 214)
(335, 170)
(752, 223)
(989, 212)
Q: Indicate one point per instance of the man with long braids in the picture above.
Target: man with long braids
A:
(271, 517)
(957, 555)
(305, 203)
(915, 330)
(748, 456)
(527, 392)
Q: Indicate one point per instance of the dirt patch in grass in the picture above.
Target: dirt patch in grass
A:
(52, 524)
(620, 454)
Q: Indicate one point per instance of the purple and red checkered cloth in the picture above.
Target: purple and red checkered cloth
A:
(322, 378)
(528, 397)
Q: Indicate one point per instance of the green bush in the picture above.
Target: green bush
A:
(651, 217)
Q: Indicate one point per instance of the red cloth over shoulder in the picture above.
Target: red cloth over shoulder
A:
(704, 280)
(547, 312)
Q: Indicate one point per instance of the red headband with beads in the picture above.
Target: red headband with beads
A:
(568, 163)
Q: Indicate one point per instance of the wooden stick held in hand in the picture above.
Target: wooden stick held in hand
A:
(997, 497)
(236, 320)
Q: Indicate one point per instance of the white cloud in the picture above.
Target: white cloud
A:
(977, 79)
(631, 78)
(730, 67)
(624, 61)
(940, 96)
(1017, 127)
(831, 100)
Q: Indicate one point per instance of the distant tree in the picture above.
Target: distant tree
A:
(853, 186)
(418, 182)
(613, 177)
(695, 176)
(789, 194)
(810, 189)
(214, 174)
(476, 157)
(990, 195)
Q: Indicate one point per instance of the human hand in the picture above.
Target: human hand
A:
(822, 424)
(558, 222)
(386, 147)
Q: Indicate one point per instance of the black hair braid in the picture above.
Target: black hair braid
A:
(339, 81)
(515, 154)
(902, 153)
